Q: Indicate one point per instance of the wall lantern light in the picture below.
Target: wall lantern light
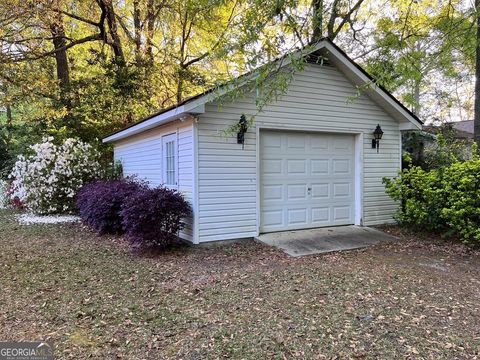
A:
(377, 135)
(242, 129)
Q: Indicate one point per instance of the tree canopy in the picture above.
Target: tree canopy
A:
(86, 68)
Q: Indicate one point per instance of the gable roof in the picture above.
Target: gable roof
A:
(353, 71)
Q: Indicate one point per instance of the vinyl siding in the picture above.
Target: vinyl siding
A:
(141, 156)
(317, 99)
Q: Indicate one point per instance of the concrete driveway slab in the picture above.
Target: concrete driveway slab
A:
(323, 240)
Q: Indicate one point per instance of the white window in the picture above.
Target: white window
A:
(170, 160)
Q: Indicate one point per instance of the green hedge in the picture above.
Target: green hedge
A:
(444, 200)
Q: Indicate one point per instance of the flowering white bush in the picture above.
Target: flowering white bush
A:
(47, 181)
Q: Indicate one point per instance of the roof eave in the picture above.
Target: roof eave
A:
(163, 118)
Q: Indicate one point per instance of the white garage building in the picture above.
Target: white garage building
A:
(307, 161)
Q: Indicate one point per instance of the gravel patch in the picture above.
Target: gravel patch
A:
(29, 219)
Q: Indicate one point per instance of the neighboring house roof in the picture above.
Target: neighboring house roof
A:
(353, 71)
(464, 129)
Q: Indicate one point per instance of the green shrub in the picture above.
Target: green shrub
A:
(461, 191)
(432, 151)
(445, 151)
(417, 191)
(441, 200)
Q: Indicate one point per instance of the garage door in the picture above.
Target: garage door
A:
(307, 180)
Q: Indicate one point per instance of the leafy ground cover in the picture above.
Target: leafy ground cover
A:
(95, 297)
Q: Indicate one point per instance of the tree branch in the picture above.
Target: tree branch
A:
(217, 43)
(80, 18)
(347, 18)
(93, 37)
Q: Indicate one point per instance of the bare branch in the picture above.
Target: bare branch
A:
(347, 17)
(93, 37)
(80, 18)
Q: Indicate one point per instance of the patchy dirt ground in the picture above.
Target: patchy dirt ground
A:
(96, 298)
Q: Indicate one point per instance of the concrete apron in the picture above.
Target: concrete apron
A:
(323, 240)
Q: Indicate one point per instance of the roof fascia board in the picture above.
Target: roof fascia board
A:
(176, 113)
(404, 126)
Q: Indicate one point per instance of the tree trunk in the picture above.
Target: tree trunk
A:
(182, 56)
(317, 6)
(180, 84)
(418, 82)
(337, 13)
(150, 29)
(114, 41)
(476, 117)
(331, 32)
(179, 96)
(63, 73)
(59, 42)
(137, 28)
(61, 59)
(416, 97)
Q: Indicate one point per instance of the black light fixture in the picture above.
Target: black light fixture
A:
(242, 129)
(377, 135)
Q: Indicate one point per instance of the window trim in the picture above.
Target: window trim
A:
(166, 139)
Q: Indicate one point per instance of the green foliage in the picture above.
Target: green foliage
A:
(424, 51)
(461, 189)
(169, 51)
(413, 145)
(417, 191)
(14, 141)
(6, 159)
(113, 170)
(104, 104)
(447, 150)
(445, 200)
(431, 151)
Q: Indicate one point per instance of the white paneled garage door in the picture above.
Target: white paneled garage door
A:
(307, 180)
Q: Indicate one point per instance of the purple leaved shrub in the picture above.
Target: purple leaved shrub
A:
(154, 216)
(99, 203)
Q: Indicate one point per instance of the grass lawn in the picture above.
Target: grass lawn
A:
(95, 297)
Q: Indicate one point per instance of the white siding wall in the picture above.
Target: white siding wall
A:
(317, 99)
(141, 155)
